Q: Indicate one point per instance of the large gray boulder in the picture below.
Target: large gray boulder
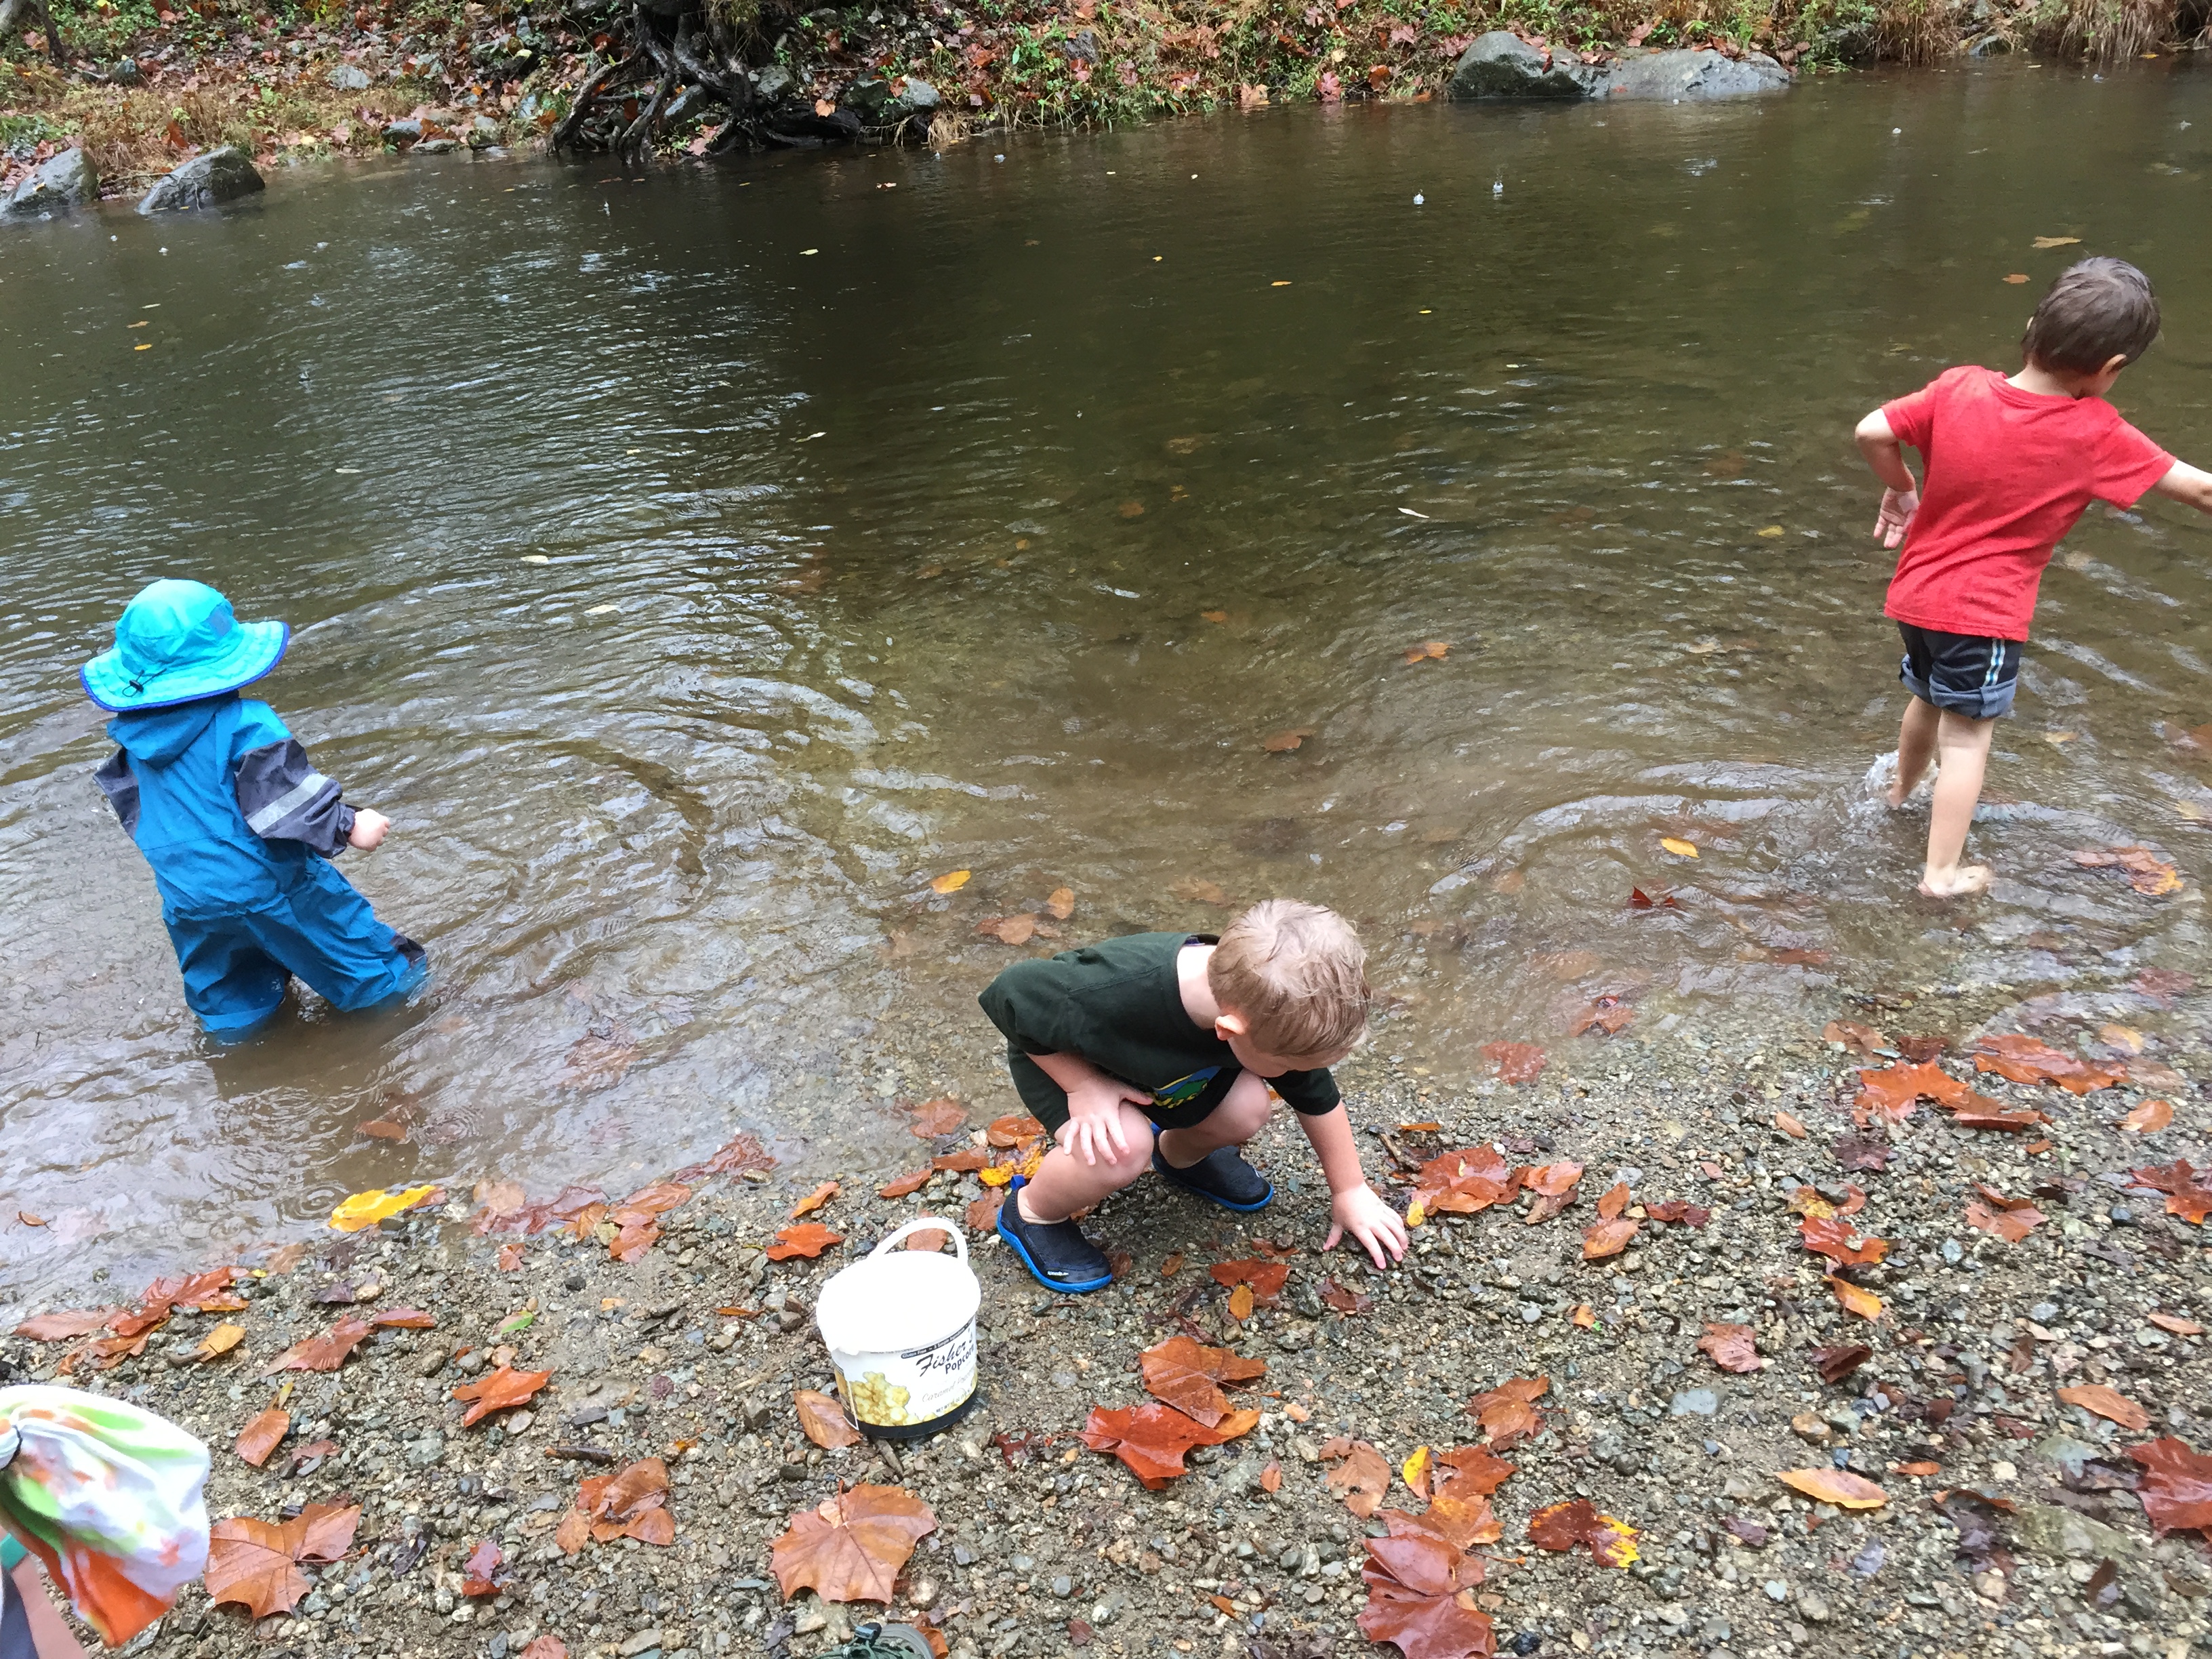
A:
(221, 175)
(1501, 64)
(55, 186)
(1696, 75)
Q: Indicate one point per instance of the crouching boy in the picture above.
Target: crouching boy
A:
(1158, 1051)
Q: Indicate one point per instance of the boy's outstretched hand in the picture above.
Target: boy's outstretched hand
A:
(369, 829)
(1378, 1228)
(1898, 506)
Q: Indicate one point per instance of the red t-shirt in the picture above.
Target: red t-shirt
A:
(2008, 473)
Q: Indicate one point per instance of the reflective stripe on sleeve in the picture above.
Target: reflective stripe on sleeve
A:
(299, 795)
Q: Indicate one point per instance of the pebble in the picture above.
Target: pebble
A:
(1813, 1607)
(433, 1361)
(1777, 1591)
(1695, 1402)
(1063, 1587)
(639, 1643)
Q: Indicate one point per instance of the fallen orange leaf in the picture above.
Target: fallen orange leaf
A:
(2096, 1398)
(815, 1200)
(1837, 1486)
(822, 1420)
(2148, 1118)
(261, 1436)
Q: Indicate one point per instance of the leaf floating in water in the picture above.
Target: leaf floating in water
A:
(1195, 890)
(536, 558)
(1427, 651)
(2148, 873)
(937, 1117)
(601, 610)
(1061, 905)
(1679, 847)
(1214, 616)
(2055, 242)
(950, 882)
(1008, 930)
(367, 1209)
(1516, 1062)
(2017, 278)
(1281, 743)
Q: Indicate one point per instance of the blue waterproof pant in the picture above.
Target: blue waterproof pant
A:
(319, 928)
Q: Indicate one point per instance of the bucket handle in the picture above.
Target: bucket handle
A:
(924, 1224)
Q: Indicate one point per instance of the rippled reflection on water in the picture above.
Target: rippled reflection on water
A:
(690, 599)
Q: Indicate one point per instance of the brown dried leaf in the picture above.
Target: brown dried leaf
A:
(262, 1436)
(1731, 1347)
(815, 1200)
(2096, 1398)
(808, 1238)
(822, 1419)
(1837, 1486)
(1361, 1478)
(504, 1389)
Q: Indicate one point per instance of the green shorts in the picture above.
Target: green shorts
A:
(1177, 1106)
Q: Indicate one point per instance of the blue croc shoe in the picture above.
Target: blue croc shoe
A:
(1222, 1175)
(1055, 1252)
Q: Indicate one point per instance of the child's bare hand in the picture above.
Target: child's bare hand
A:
(1898, 506)
(1094, 1120)
(1377, 1227)
(369, 829)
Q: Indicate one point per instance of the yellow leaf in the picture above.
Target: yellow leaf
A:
(950, 882)
(1240, 1303)
(1619, 1551)
(536, 558)
(1416, 1214)
(220, 1341)
(2058, 242)
(1771, 530)
(367, 1209)
(998, 1176)
(1585, 1318)
(1415, 1470)
(1680, 849)
(1855, 1298)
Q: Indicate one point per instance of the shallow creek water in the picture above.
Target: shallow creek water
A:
(695, 565)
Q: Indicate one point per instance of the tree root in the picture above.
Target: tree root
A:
(677, 61)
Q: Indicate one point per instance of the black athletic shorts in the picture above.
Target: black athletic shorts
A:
(1966, 673)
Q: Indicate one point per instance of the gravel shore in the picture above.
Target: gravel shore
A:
(1044, 1547)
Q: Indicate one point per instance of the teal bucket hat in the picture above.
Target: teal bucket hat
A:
(178, 641)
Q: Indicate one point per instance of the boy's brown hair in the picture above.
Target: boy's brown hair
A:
(1298, 973)
(2097, 310)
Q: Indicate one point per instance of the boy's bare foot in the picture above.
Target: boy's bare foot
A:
(1883, 782)
(1956, 882)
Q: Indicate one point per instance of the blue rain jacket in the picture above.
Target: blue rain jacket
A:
(239, 826)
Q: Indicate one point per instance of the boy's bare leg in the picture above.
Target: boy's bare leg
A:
(1242, 1114)
(1963, 746)
(1063, 1183)
(1915, 747)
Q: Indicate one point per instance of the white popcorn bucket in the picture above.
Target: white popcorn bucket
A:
(900, 1326)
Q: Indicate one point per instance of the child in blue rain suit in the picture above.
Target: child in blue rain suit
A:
(235, 820)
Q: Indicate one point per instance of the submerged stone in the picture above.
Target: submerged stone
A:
(54, 186)
(1501, 64)
(221, 175)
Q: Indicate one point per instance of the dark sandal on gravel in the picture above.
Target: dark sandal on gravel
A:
(1056, 1253)
(878, 1640)
(1222, 1175)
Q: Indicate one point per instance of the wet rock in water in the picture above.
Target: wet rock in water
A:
(348, 78)
(221, 175)
(436, 147)
(1501, 64)
(1700, 75)
(54, 186)
(405, 131)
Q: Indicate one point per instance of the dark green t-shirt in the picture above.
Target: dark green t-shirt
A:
(1118, 1005)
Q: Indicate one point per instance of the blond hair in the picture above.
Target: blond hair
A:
(1297, 975)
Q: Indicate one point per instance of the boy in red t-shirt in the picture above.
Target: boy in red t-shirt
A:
(2011, 464)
